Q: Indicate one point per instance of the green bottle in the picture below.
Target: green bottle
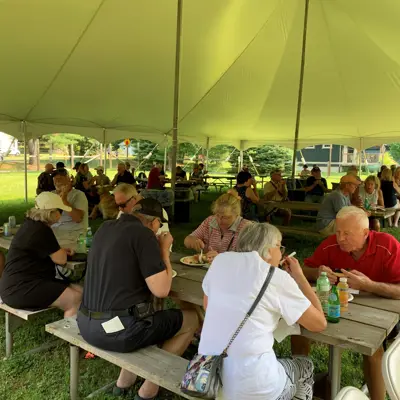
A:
(333, 306)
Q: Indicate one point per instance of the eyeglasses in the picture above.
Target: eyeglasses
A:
(123, 205)
(282, 249)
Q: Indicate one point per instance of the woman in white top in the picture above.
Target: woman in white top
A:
(251, 370)
(371, 195)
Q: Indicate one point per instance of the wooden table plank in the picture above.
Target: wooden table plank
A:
(190, 273)
(376, 302)
(371, 317)
(5, 242)
(350, 335)
(187, 290)
(294, 205)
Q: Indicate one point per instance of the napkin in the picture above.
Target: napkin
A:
(283, 330)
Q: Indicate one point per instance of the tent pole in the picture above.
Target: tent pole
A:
(165, 154)
(175, 121)
(300, 94)
(105, 151)
(23, 126)
(207, 149)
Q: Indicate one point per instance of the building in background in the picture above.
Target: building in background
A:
(341, 157)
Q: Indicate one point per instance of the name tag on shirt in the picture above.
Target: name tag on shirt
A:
(113, 325)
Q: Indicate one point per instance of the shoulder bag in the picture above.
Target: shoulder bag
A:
(203, 374)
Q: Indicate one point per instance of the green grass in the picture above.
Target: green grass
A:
(46, 375)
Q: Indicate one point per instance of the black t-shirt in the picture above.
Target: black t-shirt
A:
(317, 191)
(127, 177)
(181, 174)
(123, 254)
(28, 259)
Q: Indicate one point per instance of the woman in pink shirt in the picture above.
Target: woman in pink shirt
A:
(219, 232)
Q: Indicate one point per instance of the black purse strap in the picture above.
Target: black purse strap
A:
(252, 308)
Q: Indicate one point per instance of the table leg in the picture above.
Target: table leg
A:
(9, 336)
(74, 374)
(335, 355)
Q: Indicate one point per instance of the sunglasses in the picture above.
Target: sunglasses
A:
(123, 205)
(59, 210)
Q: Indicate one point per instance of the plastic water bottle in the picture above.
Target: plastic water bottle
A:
(334, 306)
(89, 238)
(367, 205)
(343, 289)
(81, 244)
(323, 290)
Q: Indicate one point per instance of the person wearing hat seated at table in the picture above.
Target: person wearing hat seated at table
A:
(28, 281)
(73, 223)
(371, 197)
(246, 188)
(316, 187)
(276, 190)
(122, 176)
(334, 202)
(372, 264)
(219, 232)
(101, 179)
(127, 266)
(45, 180)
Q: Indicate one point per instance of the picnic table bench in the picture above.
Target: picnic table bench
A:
(362, 329)
(160, 367)
(219, 181)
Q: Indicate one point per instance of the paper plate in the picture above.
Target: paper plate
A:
(351, 297)
(174, 273)
(191, 261)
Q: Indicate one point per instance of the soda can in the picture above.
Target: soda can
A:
(7, 230)
(12, 222)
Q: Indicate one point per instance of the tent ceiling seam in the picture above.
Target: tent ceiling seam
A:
(66, 60)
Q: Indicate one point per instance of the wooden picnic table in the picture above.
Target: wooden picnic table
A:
(219, 180)
(362, 329)
(294, 205)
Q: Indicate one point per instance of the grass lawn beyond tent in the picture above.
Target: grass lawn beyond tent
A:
(46, 375)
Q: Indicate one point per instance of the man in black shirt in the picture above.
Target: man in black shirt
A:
(123, 176)
(45, 180)
(127, 265)
(316, 187)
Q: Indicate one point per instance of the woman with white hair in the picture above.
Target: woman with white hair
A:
(28, 280)
(251, 369)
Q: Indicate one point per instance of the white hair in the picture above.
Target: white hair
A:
(357, 213)
(49, 217)
(126, 189)
(258, 237)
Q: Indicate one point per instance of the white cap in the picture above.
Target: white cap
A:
(50, 201)
(343, 280)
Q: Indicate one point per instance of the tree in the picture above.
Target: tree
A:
(394, 150)
(62, 142)
(269, 157)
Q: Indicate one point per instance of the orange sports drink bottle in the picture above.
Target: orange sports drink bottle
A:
(343, 289)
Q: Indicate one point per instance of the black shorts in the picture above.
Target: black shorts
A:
(163, 325)
(36, 294)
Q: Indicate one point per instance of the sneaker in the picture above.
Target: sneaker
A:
(121, 392)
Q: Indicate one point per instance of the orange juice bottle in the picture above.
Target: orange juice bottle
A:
(343, 289)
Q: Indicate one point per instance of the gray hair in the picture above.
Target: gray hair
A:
(46, 216)
(126, 189)
(357, 213)
(258, 237)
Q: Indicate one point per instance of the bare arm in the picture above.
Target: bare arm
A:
(76, 214)
(114, 181)
(309, 188)
(396, 187)
(252, 194)
(59, 257)
(359, 281)
(192, 242)
(205, 302)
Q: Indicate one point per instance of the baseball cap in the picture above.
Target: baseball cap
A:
(350, 179)
(50, 201)
(99, 168)
(150, 207)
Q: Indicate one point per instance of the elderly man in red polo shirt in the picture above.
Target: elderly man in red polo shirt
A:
(372, 262)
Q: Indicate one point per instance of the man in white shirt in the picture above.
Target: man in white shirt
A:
(75, 222)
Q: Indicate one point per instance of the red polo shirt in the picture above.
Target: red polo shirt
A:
(380, 262)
